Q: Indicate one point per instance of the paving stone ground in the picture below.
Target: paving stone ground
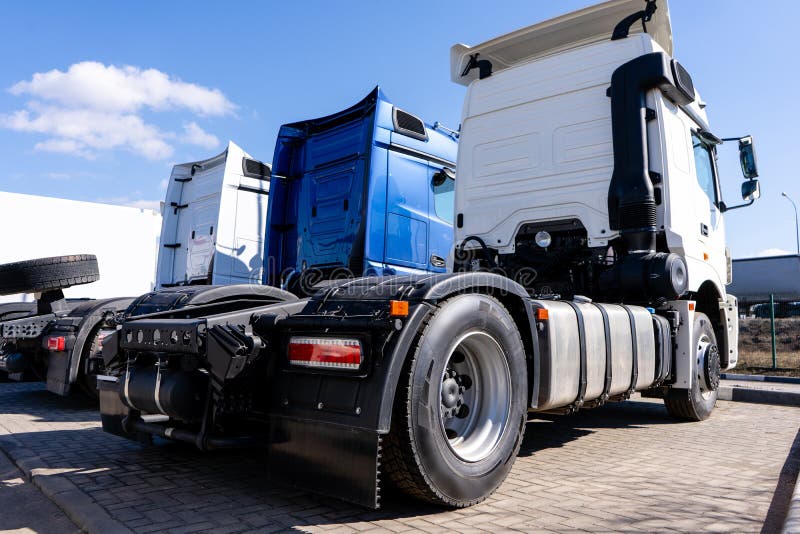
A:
(623, 467)
(23, 508)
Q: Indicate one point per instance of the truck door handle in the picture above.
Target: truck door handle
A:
(437, 261)
(704, 229)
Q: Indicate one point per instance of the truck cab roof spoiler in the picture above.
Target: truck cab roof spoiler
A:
(595, 23)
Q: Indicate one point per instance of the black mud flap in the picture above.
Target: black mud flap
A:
(113, 412)
(58, 372)
(333, 460)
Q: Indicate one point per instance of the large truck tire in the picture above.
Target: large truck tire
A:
(697, 403)
(461, 407)
(45, 274)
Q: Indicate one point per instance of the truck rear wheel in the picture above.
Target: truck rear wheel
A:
(697, 403)
(46, 274)
(460, 414)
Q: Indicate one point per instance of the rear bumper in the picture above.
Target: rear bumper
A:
(335, 460)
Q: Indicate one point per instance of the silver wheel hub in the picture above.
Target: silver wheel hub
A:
(475, 395)
(452, 393)
(708, 366)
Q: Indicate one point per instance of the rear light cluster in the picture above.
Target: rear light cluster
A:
(325, 352)
(56, 344)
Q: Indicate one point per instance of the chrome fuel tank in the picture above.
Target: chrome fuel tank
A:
(587, 351)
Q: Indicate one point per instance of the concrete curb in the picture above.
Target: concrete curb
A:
(759, 396)
(761, 378)
(84, 512)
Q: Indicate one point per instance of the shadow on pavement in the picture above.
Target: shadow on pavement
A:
(31, 398)
(546, 431)
(779, 506)
(169, 485)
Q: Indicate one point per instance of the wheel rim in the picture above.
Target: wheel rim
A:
(475, 396)
(708, 366)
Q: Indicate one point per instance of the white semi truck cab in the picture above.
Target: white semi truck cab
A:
(587, 166)
(214, 219)
(589, 264)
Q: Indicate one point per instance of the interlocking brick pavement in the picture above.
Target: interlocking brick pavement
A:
(623, 467)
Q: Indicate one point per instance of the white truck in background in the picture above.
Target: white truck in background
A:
(217, 207)
(214, 219)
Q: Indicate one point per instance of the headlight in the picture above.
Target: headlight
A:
(543, 239)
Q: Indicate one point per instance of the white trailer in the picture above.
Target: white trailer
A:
(36, 226)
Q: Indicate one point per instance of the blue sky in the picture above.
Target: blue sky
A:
(204, 72)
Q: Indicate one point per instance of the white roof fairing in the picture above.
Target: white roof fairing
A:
(568, 31)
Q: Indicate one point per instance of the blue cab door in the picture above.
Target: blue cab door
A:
(419, 231)
(441, 202)
(407, 199)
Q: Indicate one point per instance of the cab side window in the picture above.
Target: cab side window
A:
(704, 163)
(444, 197)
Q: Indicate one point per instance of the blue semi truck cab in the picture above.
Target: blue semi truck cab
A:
(366, 191)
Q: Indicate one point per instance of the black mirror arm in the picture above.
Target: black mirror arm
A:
(723, 208)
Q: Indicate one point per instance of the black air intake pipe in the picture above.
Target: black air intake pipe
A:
(641, 273)
(631, 203)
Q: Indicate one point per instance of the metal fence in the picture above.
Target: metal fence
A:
(769, 336)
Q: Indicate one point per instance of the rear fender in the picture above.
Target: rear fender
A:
(375, 393)
(63, 367)
(352, 413)
(442, 287)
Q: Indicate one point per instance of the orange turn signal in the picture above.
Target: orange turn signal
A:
(398, 308)
(691, 306)
(705, 256)
(542, 314)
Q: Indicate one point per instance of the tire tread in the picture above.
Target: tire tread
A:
(401, 461)
(45, 274)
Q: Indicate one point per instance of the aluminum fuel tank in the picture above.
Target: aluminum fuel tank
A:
(598, 333)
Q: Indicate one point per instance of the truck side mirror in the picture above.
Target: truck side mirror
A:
(750, 190)
(747, 157)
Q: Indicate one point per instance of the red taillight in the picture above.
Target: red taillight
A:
(325, 352)
(56, 343)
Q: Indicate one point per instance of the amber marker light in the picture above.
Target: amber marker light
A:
(398, 308)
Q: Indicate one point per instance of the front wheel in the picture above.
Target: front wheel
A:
(697, 403)
(459, 417)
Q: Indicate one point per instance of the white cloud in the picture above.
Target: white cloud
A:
(773, 252)
(90, 84)
(163, 184)
(92, 108)
(85, 131)
(64, 146)
(195, 135)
